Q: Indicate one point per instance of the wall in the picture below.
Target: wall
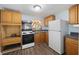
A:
(73, 29)
(30, 18)
(64, 15)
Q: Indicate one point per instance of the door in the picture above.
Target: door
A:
(55, 41)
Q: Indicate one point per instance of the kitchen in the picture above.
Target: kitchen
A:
(29, 30)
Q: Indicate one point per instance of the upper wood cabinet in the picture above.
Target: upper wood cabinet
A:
(78, 14)
(10, 17)
(16, 18)
(6, 16)
(48, 18)
(73, 14)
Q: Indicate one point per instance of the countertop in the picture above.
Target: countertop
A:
(73, 37)
(37, 30)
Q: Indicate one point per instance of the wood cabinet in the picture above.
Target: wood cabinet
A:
(78, 14)
(16, 18)
(71, 46)
(39, 37)
(6, 16)
(46, 38)
(48, 18)
(10, 30)
(0, 36)
(73, 14)
(10, 17)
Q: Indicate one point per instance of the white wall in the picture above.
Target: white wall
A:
(64, 15)
(73, 29)
(30, 18)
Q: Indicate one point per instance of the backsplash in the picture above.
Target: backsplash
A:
(73, 29)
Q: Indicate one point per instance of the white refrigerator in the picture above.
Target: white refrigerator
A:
(57, 30)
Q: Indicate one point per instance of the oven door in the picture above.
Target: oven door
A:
(26, 39)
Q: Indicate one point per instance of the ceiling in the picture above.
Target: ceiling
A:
(46, 9)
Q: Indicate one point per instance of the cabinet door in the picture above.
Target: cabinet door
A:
(37, 38)
(73, 15)
(71, 46)
(46, 36)
(0, 35)
(42, 35)
(16, 18)
(78, 14)
(6, 16)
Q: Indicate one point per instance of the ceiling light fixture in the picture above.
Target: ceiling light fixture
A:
(37, 7)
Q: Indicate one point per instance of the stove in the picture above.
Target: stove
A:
(27, 39)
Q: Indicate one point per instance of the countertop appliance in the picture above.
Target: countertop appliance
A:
(57, 30)
(27, 39)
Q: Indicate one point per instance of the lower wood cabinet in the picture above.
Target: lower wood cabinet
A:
(78, 14)
(41, 37)
(71, 46)
(46, 38)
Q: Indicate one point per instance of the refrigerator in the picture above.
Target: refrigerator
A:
(57, 29)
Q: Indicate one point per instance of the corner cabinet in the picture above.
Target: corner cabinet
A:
(74, 14)
(48, 18)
